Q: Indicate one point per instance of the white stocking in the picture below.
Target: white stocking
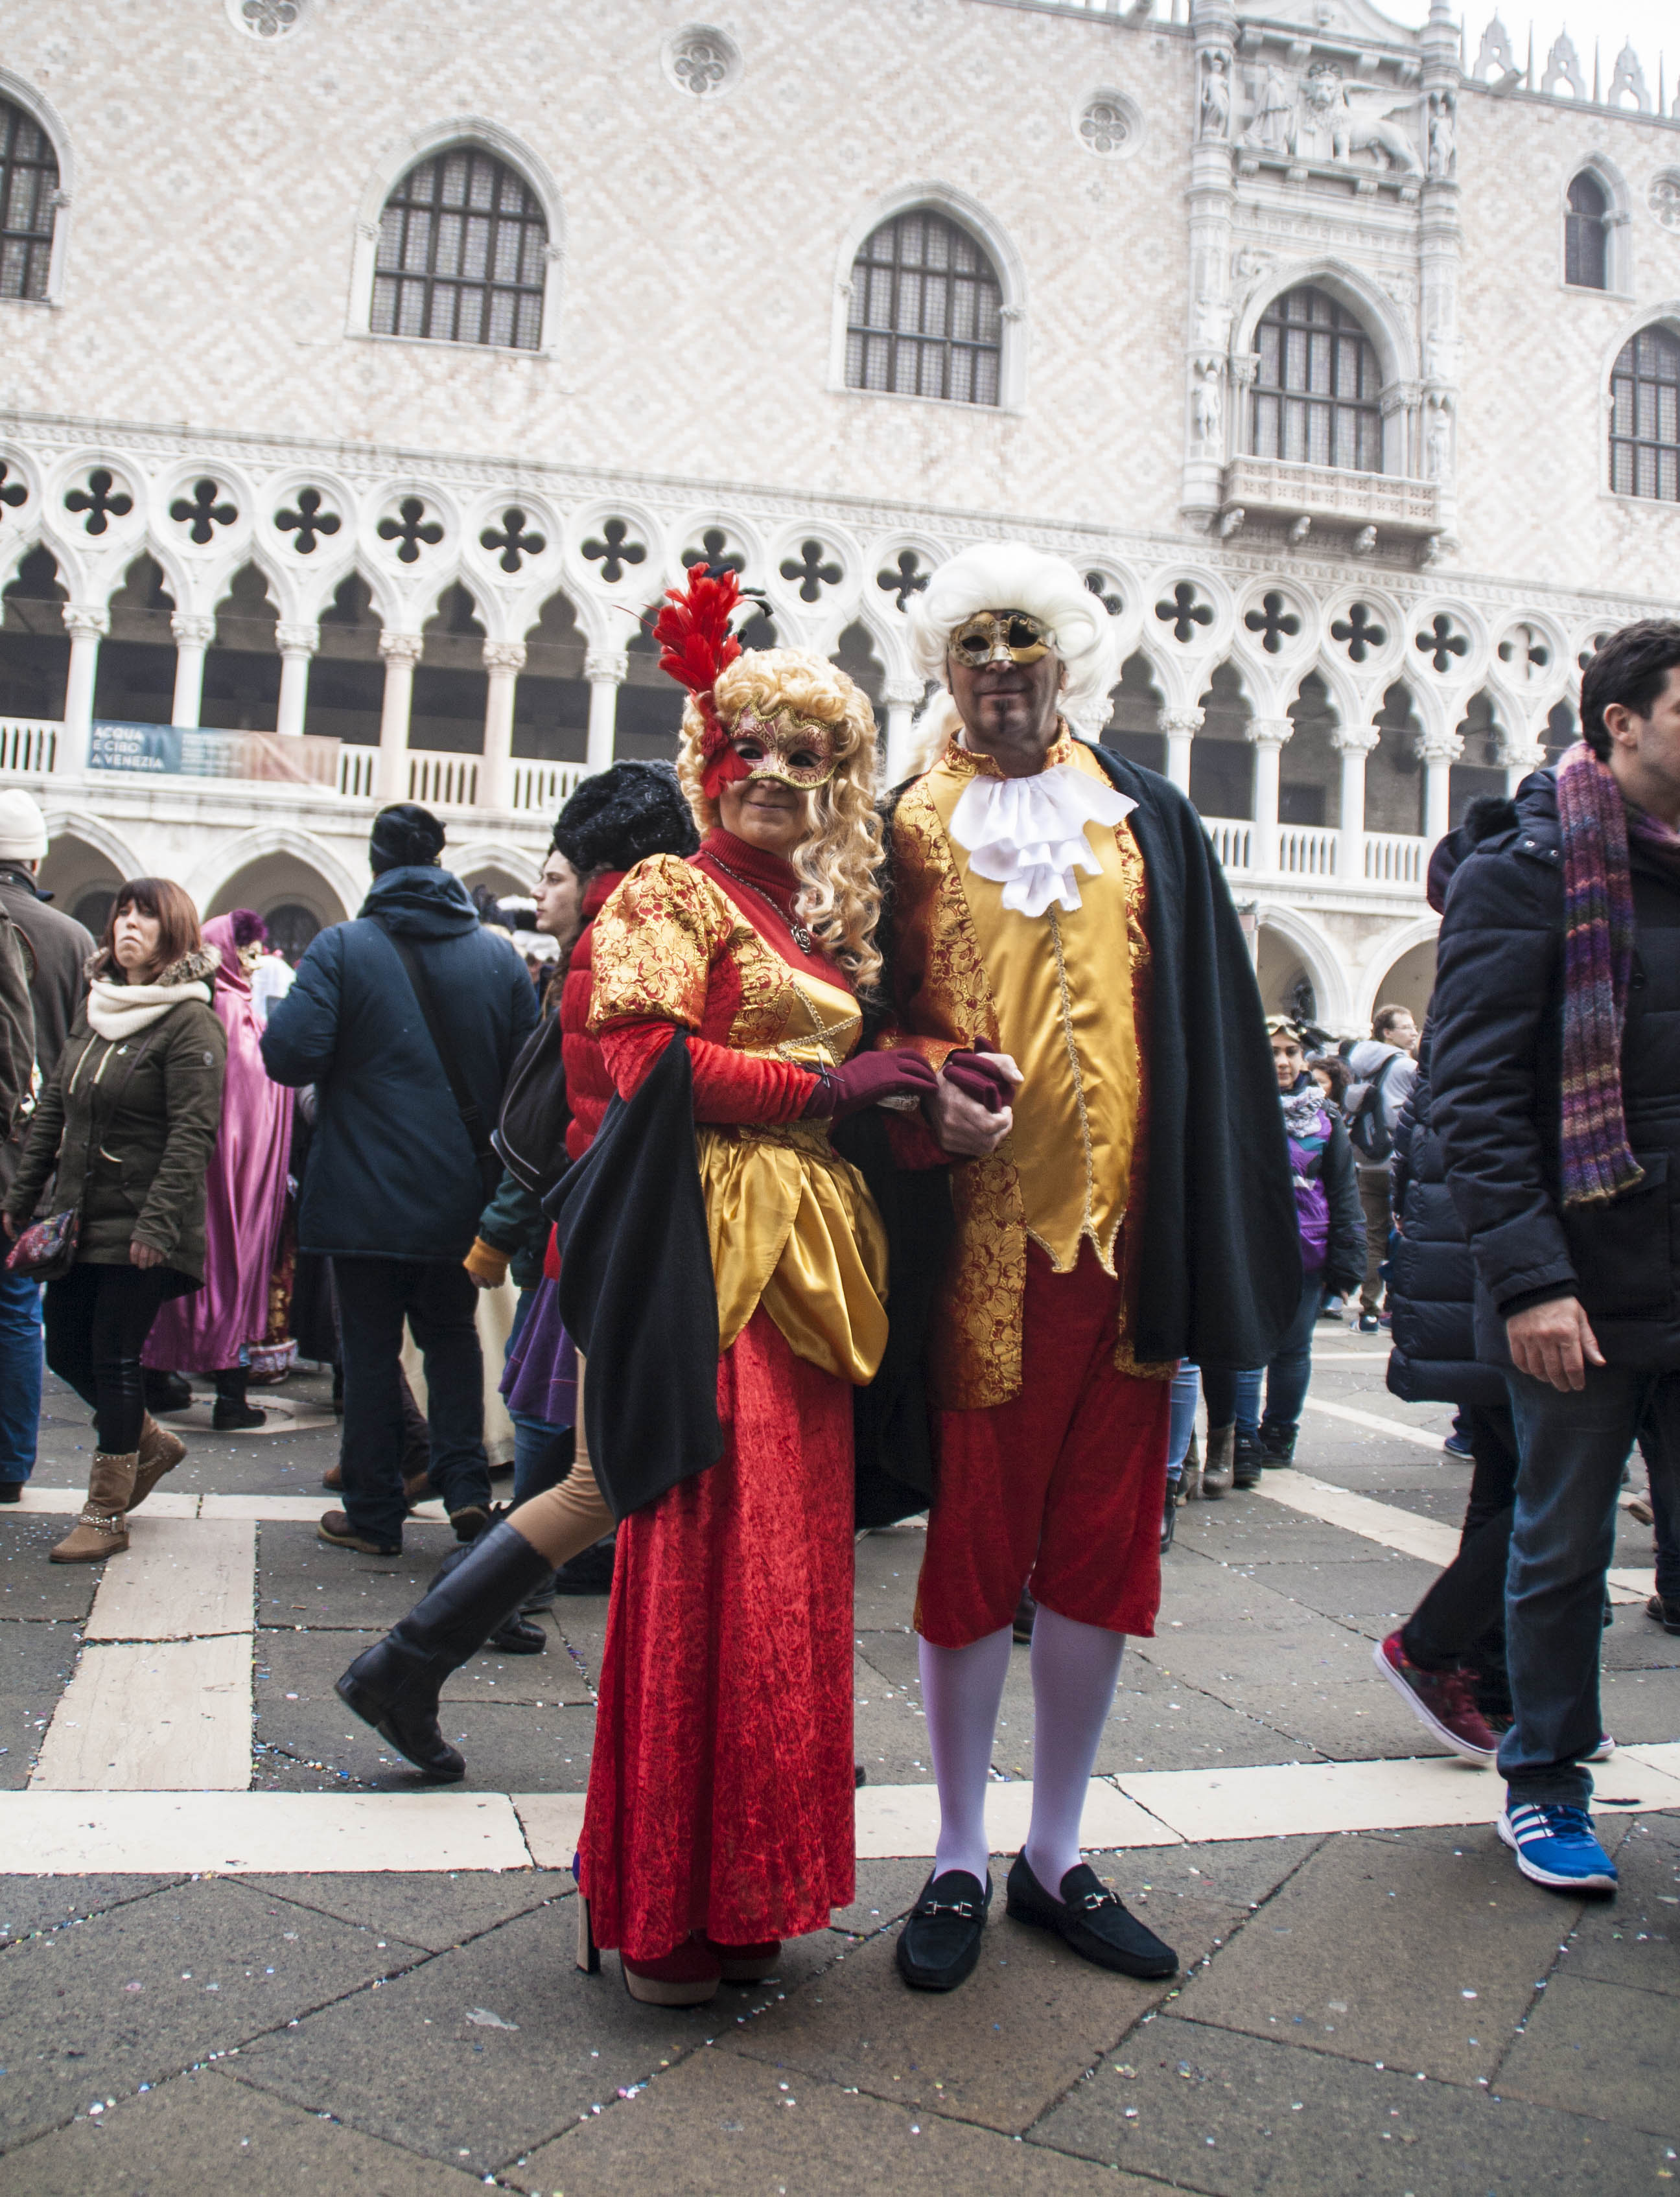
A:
(961, 1690)
(1075, 1668)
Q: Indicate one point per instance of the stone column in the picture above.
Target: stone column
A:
(1181, 728)
(604, 669)
(1353, 743)
(901, 703)
(504, 660)
(1438, 752)
(1268, 736)
(402, 652)
(87, 625)
(296, 644)
(193, 635)
(1212, 200)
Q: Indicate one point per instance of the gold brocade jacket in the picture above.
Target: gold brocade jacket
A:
(792, 1224)
(1068, 996)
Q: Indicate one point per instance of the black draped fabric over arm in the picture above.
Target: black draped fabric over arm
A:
(1220, 1275)
(637, 1293)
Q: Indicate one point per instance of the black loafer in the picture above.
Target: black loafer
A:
(940, 1942)
(518, 1636)
(1092, 1920)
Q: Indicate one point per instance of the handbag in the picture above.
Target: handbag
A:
(46, 1250)
(530, 1137)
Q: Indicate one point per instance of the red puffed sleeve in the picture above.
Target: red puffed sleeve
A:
(728, 1087)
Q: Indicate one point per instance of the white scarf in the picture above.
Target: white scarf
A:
(122, 1010)
(1027, 834)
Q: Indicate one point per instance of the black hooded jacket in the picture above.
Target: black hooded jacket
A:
(391, 1172)
(1497, 1018)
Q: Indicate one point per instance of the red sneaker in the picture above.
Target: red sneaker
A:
(1443, 1700)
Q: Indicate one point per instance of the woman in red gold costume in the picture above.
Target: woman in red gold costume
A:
(720, 1816)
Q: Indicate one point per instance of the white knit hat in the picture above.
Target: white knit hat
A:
(23, 829)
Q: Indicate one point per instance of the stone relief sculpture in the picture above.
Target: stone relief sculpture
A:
(1215, 116)
(1443, 136)
(1209, 400)
(1344, 119)
(1438, 442)
(1270, 127)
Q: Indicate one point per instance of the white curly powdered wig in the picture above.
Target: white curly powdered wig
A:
(997, 576)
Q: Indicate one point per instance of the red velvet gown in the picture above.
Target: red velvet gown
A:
(720, 1794)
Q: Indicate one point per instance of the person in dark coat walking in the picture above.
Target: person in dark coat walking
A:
(1447, 1661)
(1555, 1065)
(55, 951)
(398, 1172)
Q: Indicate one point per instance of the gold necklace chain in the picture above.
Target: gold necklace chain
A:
(801, 936)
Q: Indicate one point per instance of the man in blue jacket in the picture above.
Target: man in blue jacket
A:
(406, 1021)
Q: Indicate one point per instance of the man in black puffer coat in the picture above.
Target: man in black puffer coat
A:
(1447, 1662)
(1573, 1234)
(394, 1186)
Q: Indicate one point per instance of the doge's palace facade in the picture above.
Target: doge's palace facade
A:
(368, 368)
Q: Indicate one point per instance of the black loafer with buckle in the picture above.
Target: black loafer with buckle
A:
(1094, 1921)
(940, 1942)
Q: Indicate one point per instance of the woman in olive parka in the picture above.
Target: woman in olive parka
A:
(123, 1133)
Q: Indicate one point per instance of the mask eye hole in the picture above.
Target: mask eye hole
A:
(750, 751)
(806, 759)
(1023, 634)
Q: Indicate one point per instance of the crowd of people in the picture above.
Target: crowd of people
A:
(857, 1153)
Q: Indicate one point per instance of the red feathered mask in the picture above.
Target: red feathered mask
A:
(695, 645)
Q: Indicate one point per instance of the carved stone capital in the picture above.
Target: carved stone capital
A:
(1354, 739)
(1438, 747)
(902, 693)
(1244, 366)
(86, 621)
(1270, 732)
(1181, 724)
(504, 656)
(607, 664)
(402, 647)
(296, 640)
(1521, 755)
(191, 630)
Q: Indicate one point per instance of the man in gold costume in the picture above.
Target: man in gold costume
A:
(1064, 952)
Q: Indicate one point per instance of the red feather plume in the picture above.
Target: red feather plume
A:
(695, 645)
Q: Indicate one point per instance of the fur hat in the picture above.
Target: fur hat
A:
(23, 829)
(621, 815)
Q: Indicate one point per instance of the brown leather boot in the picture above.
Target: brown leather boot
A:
(160, 1451)
(101, 1532)
(1189, 1481)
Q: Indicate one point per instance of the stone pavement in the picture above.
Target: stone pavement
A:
(230, 1913)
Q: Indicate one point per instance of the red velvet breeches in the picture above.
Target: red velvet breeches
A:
(720, 1794)
(1061, 1489)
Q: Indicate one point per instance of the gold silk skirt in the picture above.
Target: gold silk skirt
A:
(794, 1228)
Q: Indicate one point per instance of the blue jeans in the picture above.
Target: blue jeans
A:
(1234, 1396)
(536, 1466)
(1181, 1421)
(19, 1374)
(1573, 1443)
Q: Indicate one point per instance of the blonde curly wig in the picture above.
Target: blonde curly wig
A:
(839, 899)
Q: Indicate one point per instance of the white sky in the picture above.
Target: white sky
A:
(1654, 26)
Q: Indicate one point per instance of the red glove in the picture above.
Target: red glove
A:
(866, 1080)
(982, 1080)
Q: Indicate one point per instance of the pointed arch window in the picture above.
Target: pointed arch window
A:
(462, 255)
(925, 316)
(1586, 256)
(1318, 392)
(1645, 417)
(28, 200)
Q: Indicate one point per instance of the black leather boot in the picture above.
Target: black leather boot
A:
(395, 1685)
(232, 1414)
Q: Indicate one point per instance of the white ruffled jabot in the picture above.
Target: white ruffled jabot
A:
(1027, 834)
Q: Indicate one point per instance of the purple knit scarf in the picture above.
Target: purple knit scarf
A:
(1597, 1162)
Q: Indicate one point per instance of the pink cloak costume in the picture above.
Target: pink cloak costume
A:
(208, 1331)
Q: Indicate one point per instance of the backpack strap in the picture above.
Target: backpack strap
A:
(472, 1119)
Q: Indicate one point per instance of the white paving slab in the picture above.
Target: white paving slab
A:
(553, 1823)
(62, 1502)
(1403, 1531)
(1396, 1429)
(164, 1716)
(1292, 1798)
(69, 1834)
(180, 1578)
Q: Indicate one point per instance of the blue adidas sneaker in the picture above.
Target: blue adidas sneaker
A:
(1555, 1844)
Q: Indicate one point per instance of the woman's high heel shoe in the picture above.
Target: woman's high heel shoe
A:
(688, 1975)
(588, 1953)
(395, 1685)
